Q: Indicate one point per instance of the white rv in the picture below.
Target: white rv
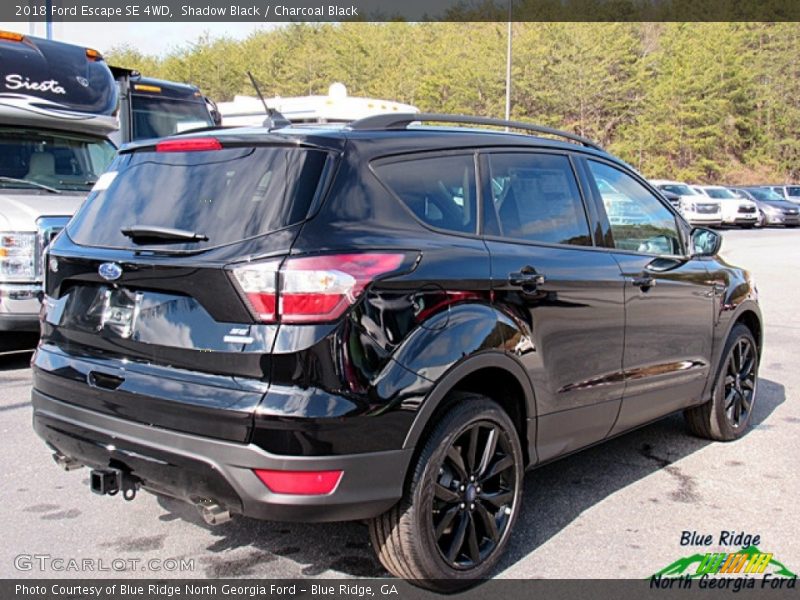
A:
(57, 107)
(336, 107)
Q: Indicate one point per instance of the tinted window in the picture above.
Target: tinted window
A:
(440, 190)
(793, 191)
(227, 195)
(537, 198)
(639, 221)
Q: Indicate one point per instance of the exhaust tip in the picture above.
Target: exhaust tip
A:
(67, 462)
(212, 513)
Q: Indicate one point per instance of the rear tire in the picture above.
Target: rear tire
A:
(727, 414)
(455, 518)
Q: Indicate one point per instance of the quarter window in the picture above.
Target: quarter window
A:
(439, 190)
(537, 198)
(639, 221)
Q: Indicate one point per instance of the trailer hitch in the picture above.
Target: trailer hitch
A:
(111, 481)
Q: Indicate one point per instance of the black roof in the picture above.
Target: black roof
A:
(383, 142)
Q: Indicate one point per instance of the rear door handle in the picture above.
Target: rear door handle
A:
(644, 281)
(527, 278)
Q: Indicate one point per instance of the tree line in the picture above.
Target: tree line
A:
(710, 102)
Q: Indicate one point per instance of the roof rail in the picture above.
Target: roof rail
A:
(403, 120)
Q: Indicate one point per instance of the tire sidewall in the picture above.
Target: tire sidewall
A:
(423, 494)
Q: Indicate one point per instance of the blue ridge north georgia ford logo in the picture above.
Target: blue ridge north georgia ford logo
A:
(110, 271)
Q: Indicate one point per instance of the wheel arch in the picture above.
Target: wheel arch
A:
(493, 374)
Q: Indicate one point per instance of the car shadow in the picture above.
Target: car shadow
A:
(556, 494)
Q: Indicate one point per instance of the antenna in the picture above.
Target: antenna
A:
(274, 120)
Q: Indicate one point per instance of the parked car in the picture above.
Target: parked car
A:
(773, 208)
(735, 211)
(384, 321)
(696, 208)
(787, 192)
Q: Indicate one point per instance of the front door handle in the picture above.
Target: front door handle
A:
(527, 278)
(644, 281)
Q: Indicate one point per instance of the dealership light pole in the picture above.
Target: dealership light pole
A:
(508, 67)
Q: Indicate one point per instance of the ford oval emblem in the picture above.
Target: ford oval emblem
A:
(110, 271)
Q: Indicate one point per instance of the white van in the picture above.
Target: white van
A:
(57, 104)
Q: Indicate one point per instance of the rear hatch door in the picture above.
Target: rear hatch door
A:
(140, 286)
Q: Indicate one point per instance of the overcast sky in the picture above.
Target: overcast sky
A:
(149, 38)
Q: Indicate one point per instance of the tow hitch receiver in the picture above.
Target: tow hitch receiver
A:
(110, 481)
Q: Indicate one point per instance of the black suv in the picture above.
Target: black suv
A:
(384, 321)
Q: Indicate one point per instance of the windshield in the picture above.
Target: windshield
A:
(160, 117)
(765, 194)
(64, 161)
(679, 188)
(793, 190)
(720, 193)
(219, 196)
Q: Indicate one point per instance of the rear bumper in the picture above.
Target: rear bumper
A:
(195, 469)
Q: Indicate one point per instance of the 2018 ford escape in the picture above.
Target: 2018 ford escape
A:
(384, 321)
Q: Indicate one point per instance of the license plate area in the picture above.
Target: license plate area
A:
(120, 311)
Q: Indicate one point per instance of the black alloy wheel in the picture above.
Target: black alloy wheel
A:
(473, 495)
(728, 413)
(740, 382)
(461, 499)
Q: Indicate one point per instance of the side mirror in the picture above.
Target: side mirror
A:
(705, 242)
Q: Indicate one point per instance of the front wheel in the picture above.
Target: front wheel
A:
(456, 515)
(727, 415)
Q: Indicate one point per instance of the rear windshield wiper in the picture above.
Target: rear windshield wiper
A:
(149, 234)
(36, 184)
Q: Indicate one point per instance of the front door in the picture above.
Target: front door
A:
(669, 300)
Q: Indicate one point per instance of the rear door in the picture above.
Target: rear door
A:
(669, 298)
(564, 294)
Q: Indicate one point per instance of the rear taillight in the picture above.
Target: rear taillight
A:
(302, 483)
(189, 145)
(311, 289)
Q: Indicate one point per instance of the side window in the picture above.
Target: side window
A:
(439, 190)
(639, 221)
(537, 198)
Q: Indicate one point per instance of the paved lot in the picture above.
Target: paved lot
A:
(616, 510)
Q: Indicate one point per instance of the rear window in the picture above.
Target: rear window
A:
(439, 190)
(225, 195)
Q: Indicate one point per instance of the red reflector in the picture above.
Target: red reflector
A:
(305, 483)
(189, 145)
